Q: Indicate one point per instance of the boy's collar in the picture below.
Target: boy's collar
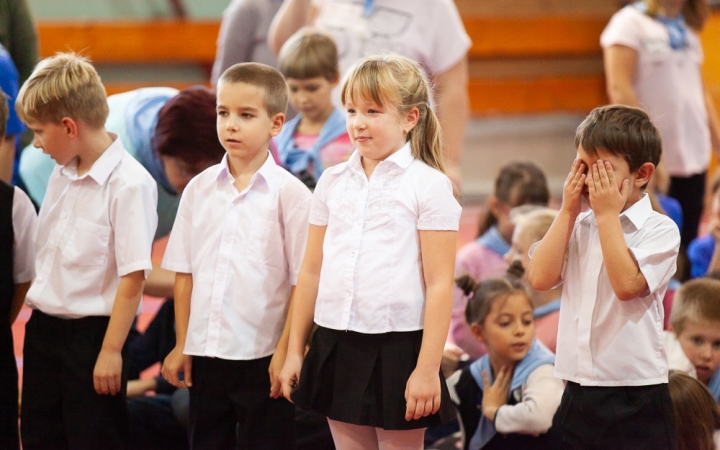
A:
(637, 213)
(265, 171)
(103, 166)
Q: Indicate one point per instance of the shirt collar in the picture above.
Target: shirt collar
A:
(637, 213)
(401, 158)
(103, 166)
(266, 172)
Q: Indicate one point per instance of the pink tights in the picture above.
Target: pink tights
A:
(357, 437)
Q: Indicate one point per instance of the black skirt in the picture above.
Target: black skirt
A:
(360, 379)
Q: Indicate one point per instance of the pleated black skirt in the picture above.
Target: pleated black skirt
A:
(360, 379)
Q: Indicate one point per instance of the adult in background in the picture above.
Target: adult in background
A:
(427, 31)
(13, 126)
(171, 133)
(18, 35)
(652, 60)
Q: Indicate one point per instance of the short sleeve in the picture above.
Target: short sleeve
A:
(449, 43)
(438, 208)
(295, 223)
(319, 212)
(178, 253)
(24, 220)
(656, 254)
(134, 216)
(623, 29)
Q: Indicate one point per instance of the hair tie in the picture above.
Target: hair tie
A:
(470, 295)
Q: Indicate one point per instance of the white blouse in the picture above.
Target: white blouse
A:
(24, 220)
(371, 279)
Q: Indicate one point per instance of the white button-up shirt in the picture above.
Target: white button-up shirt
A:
(92, 230)
(244, 251)
(603, 341)
(371, 279)
(24, 220)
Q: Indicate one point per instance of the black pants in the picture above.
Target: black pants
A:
(230, 407)
(690, 192)
(9, 438)
(60, 408)
(615, 418)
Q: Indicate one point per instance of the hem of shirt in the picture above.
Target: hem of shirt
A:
(317, 223)
(176, 267)
(228, 358)
(24, 278)
(612, 383)
(397, 330)
(145, 266)
(67, 314)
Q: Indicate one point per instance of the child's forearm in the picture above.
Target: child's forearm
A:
(303, 312)
(282, 344)
(438, 309)
(546, 265)
(124, 309)
(625, 277)
(21, 290)
(183, 292)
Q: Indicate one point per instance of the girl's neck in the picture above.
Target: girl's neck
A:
(671, 8)
(497, 363)
(314, 125)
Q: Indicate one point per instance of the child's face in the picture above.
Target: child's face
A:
(377, 131)
(700, 340)
(520, 245)
(243, 124)
(508, 330)
(312, 97)
(54, 139)
(620, 167)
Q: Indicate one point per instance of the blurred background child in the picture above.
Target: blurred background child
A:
(697, 416)
(703, 251)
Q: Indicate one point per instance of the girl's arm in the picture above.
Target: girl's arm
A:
(620, 66)
(713, 122)
(292, 15)
(438, 264)
(541, 397)
(303, 308)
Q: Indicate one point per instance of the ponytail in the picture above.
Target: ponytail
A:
(426, 139)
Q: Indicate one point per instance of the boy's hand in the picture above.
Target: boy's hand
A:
(107, 372)
(422, 394)
(605, 197)
(276, 364)
(495, 395)
(290, 375)
(573, 188)
(176, 362)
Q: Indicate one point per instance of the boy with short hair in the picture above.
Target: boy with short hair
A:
(693, 341)
(95, 232)
(18, 224)
(615, 261)
(236, 248)
(317, 137)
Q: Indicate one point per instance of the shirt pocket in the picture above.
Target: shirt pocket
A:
(266, 244)
(88, 244)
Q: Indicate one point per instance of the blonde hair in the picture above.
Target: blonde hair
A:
(536, 222)
(393, 80)
(309, 53)
(695, 300)
(64, 85)
(696, 12)
(262, 76)
(697, 415)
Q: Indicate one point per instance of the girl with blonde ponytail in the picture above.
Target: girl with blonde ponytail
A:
(377, 277)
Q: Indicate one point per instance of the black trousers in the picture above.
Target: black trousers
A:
(690, 192)
(9, 437)
(615, 418)
(60, 408)
(231, 408)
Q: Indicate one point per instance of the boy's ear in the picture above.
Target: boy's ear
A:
(644, 174)
(335, 81)
(71, 128)
(478, 332)
(278, 120)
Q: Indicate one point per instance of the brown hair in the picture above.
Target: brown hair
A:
(309, 53)
(696, 12)
(4, 113)
(622, 131)
(64, 85)
(697, 414)
(393, 80)
(262, 76)
(696, 299)
(486, 293)
(517, 183)
(186, 127)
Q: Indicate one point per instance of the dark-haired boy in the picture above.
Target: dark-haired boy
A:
(236, 248)
(615, 261)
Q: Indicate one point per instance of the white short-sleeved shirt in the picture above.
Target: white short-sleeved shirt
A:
(430, 32)
(24, 220)
(668, 84)
(677, 360)
(92, 230)
(603, 341)
(244, 251)
(371, 279)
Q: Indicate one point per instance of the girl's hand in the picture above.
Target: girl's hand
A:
(422, 394)
(176, 362)
(605, 197)
(276, 364)
(573, 188)
(495, 395)
(290, 375)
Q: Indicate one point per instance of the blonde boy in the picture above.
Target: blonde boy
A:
(94, 238)
(693, 342)
(317, 137)
(236, 248)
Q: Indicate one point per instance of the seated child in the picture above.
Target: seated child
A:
(18, 223)
(507, 398)
(95, 232)
(703, 252)
(317, 137)
(693, 342)
(236, 248)
(697, 416)
(614, 261)
(530, 228)
(517, 183)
